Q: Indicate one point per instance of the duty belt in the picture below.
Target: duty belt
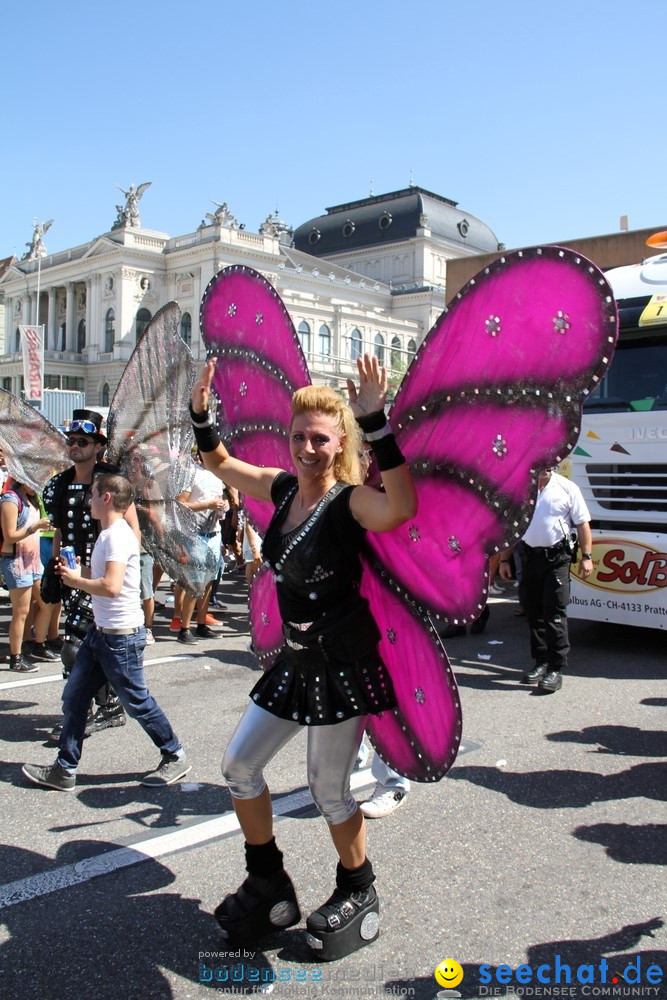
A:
(541, 549)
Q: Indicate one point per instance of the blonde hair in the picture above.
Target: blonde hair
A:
(319, 399)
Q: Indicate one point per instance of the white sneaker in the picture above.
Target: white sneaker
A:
(383, 801)
(150, 638)
(495, 590)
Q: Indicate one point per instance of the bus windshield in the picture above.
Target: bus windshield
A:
(637, 377)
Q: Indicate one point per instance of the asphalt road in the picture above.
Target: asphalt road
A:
(541, 848)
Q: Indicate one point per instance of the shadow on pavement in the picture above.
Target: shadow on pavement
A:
(631, 845)
(108, 937)
(563, 789)
(620, 740)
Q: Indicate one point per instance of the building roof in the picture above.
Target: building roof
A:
(393, 218)
(6, 263)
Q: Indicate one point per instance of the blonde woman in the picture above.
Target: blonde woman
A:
(328, 675)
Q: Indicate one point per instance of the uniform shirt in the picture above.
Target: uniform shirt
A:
(559, 507)
(118, 543)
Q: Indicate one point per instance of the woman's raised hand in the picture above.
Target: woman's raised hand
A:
(201, 391)
(371, 395)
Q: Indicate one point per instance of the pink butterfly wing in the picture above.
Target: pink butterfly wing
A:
(265, 620)
(494, 393)
(420, 737)
(260, 364)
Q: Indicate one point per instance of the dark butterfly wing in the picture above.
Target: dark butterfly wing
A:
(34, 449)
(246, 325)
(150, 438)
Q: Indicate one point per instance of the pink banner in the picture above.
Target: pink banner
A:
(32, 344)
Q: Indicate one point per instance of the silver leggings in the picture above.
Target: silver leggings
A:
(332, 751)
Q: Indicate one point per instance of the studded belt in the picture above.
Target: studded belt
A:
(289, 628)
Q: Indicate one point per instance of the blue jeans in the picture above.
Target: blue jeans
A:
(118, 659)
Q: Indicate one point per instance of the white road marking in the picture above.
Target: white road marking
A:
(156, 847)
(28, 681)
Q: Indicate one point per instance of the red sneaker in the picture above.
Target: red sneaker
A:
(175, 625)
(212, 620)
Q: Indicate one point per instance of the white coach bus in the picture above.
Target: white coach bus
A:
(620, 462)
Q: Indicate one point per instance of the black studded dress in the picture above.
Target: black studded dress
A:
(329, 669)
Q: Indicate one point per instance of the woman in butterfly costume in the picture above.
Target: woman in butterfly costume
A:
(494, 393)
(329, 675)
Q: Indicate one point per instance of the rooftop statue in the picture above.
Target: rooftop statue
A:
(36, 248)
(128, 214)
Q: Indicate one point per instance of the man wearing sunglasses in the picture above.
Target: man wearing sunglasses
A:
(67, 502)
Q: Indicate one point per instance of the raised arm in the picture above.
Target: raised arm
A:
(243, 476)
(374, 509)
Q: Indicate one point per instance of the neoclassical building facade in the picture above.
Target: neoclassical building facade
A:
(364, 284)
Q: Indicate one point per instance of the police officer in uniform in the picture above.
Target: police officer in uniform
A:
(546, 553)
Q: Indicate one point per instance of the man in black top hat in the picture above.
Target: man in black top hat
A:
(66, 499)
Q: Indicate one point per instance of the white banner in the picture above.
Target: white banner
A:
(628, 583)
(32, 345)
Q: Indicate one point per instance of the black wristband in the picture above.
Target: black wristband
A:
(206, 435)
(203, 419)
(387, 453)
(372, 421)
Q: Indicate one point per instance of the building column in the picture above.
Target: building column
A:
(70, 332)
(51, 320)
(89, 313)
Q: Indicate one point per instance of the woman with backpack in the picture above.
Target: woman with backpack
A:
(22, 571)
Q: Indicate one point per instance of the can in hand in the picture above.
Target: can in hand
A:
(69, 556)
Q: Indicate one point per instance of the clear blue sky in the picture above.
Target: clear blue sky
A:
(545, 118)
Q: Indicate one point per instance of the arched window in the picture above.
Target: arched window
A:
(412, 349)
(355, 344)
(105, 394)
(109, 331)
(325, 342)
(81, 336)
(186, 329)
(396, 352)
(142, 321)
(378, 348)
(304, 337)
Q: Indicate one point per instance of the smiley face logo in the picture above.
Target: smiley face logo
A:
(449, 973)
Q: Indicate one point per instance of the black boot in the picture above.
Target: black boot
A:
(350, 918)
(259, 906)
(265, 902)
(106, 717)
(534, 676)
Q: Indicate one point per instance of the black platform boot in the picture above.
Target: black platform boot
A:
(265, 902)
(350, 918)
(109, 715)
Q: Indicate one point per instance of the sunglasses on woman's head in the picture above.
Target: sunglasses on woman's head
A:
(79, 442)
